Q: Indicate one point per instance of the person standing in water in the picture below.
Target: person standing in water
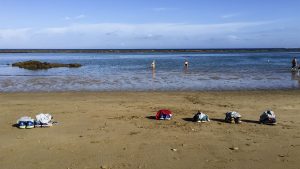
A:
(153, 64)
(186, 63)
(294, 62)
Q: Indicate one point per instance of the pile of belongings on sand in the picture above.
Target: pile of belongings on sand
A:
(42, 120)
(200, 117)
(163, 114)
(233, 117)
(267, 117)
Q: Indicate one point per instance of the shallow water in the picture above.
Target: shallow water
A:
(119, 72)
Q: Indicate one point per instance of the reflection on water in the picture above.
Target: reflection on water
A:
(106, 72)
(295, 76)
(153, 74)
(186, 69)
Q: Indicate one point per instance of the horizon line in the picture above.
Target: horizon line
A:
(82, 50)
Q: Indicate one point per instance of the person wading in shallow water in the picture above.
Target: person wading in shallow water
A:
(294, 62)
(153, 64)
(186, 63)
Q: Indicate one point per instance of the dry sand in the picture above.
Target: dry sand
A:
(116, 130)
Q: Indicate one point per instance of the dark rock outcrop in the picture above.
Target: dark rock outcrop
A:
(35, 65)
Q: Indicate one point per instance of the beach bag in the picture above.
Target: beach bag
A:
(200, 117)
(164, 115)
(268, 117)
(233, 116)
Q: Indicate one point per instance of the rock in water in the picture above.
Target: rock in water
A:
(35, 65)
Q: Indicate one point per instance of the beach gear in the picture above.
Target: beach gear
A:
(164, 114)
(22, 124)
(30, 125)
(25, 122)
(233, 116)
(200, 117)
(43, 120)
(268, 117)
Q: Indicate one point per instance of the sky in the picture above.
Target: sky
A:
(149, 24)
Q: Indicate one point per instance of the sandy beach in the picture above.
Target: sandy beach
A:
(117, 130)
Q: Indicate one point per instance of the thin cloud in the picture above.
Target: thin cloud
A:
(162, 9)
(150, 29)
(150, 37)
(21, 33)
(233, 37)
(120, 35)
(67, 18)
(227, 16)
(80, 16)
(75, 17)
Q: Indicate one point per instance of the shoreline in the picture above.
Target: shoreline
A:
(152, 91)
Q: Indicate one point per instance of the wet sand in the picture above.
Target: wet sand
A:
(117, 130)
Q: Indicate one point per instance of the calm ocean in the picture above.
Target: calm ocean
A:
(132, 72)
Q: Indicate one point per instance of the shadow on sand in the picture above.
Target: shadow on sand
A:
(188, 119)
(151, 117)
(243, 120)
(250, 121)
(191, 120)
(15, 125)
(218, 120)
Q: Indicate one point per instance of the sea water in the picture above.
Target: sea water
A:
(133, 72)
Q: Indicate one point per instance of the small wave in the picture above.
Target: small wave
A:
(32, 75)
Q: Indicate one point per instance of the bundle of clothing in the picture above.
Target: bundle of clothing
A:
(42, 120)
(267, 117)
(233, 117)
(164, 114)
(200, 117)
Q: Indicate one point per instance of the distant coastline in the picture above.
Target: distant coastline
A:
(232, 50)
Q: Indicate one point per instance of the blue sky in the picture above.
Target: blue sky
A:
(149, 24)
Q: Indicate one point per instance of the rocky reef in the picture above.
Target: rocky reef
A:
(36, 65)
